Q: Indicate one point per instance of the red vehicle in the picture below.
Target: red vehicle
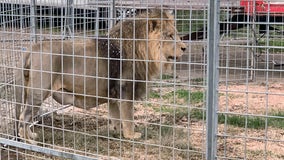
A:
(262, 7)
(263, 11)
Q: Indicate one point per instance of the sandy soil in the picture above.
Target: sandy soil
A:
(259, 99)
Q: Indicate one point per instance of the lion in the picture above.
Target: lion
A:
(87, 73)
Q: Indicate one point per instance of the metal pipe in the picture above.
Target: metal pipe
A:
(45, 150)
(33, 21)
(212, 79)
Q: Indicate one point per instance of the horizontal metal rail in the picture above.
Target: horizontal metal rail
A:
(44, 150)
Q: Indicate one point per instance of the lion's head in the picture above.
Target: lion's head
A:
(151, 38)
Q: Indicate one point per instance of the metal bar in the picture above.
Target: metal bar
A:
(47, 113)
(33, 21)
(254, 43)
(44, 150)
(97, 22)
(112, 14)
(212, 79)
(69, 19)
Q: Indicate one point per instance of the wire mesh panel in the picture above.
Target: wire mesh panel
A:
(251, 110)
(155, 79)
(102, 79)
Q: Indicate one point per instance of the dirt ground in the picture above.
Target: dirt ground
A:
(253, 99)
(167, 132)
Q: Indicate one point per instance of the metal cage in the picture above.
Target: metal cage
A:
(220, 100)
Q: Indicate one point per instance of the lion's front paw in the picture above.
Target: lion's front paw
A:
(115, 126)
(132, 135)
(27, 134)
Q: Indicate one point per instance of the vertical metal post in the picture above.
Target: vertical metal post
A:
(97, 22)
(21, 17)
(33, 21)
(254, 43)
(212, 79)
(69, 18)
(112, 15)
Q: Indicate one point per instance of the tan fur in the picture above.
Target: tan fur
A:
(81, 73)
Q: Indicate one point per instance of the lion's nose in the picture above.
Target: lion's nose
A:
(183, 48)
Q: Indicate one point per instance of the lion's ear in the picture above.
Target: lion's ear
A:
(153, 25)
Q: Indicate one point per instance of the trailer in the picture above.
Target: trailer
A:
(261, 7)
(259, 11)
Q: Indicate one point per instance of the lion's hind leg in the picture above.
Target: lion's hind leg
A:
(30, 110)
(36, 92)
(21, 82)
(20, 95)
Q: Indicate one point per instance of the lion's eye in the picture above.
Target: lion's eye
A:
(169, 36)
(172, 37)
